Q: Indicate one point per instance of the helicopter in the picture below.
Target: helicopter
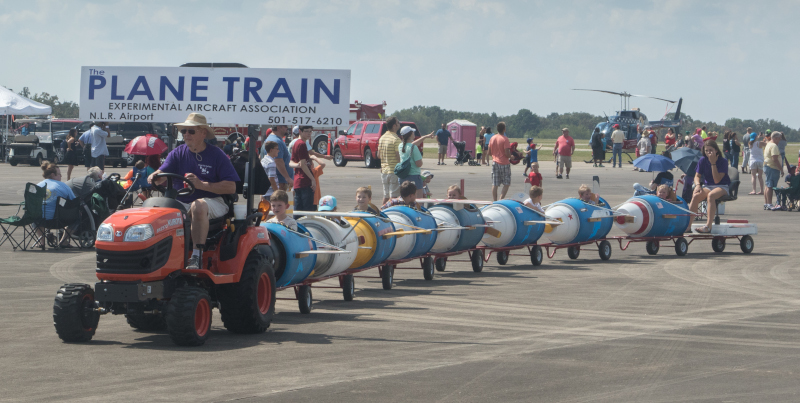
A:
(632, 121)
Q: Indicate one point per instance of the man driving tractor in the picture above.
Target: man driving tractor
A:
(210, 172)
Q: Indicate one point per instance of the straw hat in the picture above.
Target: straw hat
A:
(197, 120)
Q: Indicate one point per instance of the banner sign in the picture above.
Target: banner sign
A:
(223, 95)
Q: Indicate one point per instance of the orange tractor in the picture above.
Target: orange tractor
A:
(141, 259)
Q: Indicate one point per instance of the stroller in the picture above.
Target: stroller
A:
(463, 155)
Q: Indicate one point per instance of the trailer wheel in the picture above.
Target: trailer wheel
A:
(338, 158)
(681, 246)
(189, 316)
(304, 298)
(476, 257)
(387, 276)
(652, 247)
(348, 287)
(718, 244)
(441, 263)
(536, 255)
(747, 244)
(502, 257)
(605, 250)
(427, 268)
(573, 252)
(73, 313)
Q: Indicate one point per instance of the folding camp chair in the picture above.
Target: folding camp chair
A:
(33, 214)
(69, 213)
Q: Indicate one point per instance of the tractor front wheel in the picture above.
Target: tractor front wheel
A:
(189, 316)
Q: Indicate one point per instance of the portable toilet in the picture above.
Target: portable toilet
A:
(462, 130)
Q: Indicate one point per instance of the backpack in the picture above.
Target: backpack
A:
(403, 168)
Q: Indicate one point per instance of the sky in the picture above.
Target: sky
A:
(725, 58)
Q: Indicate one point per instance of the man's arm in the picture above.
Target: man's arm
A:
(220, 188)
(280, 165)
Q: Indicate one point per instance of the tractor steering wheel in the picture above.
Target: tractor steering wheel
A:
(189, 189)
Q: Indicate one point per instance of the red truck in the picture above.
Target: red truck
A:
(360, 142)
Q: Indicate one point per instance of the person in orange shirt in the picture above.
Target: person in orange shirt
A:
(317, 172)
(500, 149)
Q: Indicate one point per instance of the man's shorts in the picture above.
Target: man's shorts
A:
(771, 177)
(565, 161)
(442, 148)
(216, 207)
(391, 187)
(501, 174)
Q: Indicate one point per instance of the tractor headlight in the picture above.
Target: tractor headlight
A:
(139, 233)
(105, 233)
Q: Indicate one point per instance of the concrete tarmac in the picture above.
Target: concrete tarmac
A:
(707, 327)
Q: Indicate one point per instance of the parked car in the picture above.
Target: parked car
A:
(360, 143)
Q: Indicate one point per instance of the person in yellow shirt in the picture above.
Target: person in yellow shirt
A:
(390, 157)
(773, 170)
(617, 140)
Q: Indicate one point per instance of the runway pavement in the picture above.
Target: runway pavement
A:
(703, 328)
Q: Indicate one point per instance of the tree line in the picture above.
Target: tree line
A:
(525, 123)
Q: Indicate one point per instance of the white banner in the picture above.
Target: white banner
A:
(223, 95)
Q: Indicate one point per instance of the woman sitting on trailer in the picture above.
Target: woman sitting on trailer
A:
(587, 196)
(665, 192)
(710, 183)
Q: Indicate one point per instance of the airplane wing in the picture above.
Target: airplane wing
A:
(452, 201)
(352, 214)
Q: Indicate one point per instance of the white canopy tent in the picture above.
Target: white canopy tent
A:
(15, 104)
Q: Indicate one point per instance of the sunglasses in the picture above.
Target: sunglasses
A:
(184, 131)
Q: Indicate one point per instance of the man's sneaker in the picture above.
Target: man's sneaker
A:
(602, 166)
(194, 263)
(767, 207)
(558, 176)
(567, 176)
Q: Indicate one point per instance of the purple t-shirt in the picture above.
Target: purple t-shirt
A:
(704, 169)
(211, 165)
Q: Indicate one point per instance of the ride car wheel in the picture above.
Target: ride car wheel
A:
(652, 247)
(681, 246)
(441, 263)
(536, 255)
(718, 244)
(502, 257)
(348, 287)
(477, 260)
(573, 252)
(604, 249)
(304, 298)
(387, 276)
(427, 268)
(747, 244)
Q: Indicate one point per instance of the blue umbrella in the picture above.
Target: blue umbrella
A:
(654, 163)
(686, 159)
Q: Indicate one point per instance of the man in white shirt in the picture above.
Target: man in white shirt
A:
(99, 149)
(617, 140)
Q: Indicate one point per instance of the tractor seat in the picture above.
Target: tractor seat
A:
(733, 191)
(216, 224)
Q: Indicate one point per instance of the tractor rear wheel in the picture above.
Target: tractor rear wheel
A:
(248, 306)
(146, 322)
(74, 315)
(189, 316)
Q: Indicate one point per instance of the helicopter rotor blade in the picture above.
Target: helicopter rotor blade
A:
(646, 96)
(607, 92)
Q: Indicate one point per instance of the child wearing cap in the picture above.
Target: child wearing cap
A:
(531, 156)
(364, 201)
(328, 203)
(426, 179)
